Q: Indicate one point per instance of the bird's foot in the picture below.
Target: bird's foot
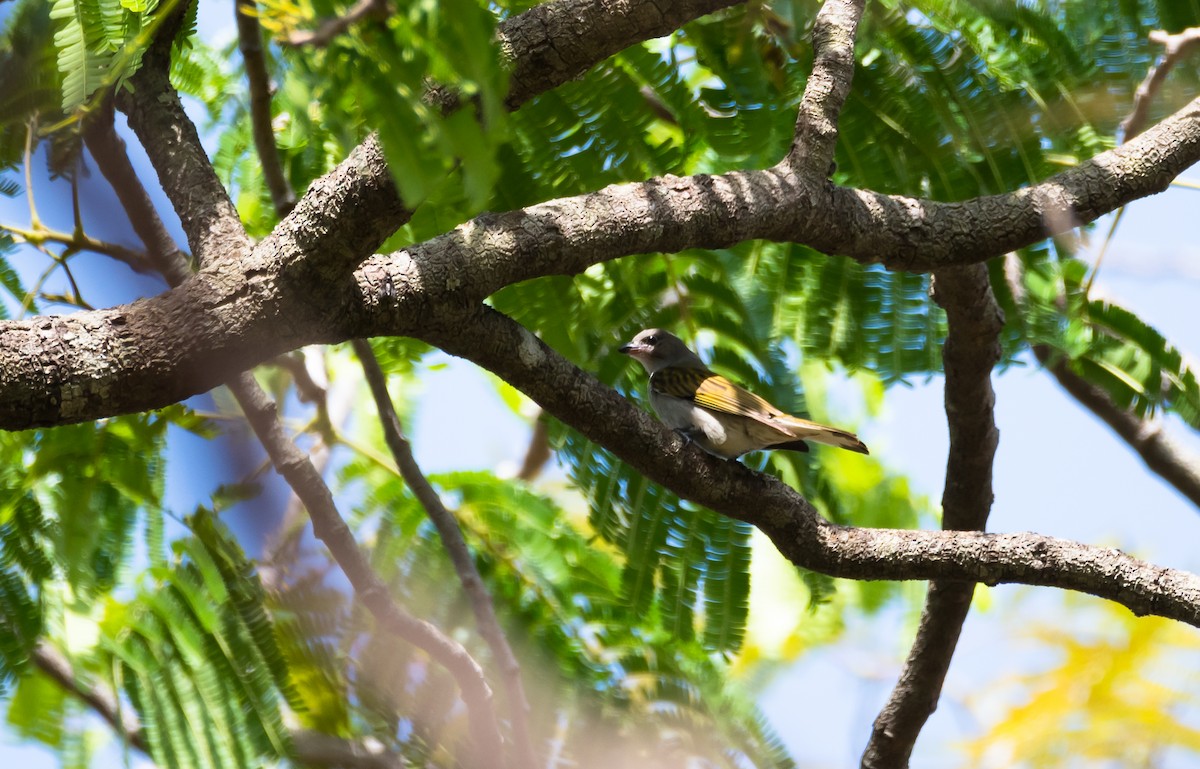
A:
(686, 433)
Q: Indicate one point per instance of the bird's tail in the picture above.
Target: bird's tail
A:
(818, 433)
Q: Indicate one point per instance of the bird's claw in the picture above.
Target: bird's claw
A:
(686, 434)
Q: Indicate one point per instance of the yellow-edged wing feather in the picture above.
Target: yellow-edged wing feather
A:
(715, 392)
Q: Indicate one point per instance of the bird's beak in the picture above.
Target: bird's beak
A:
(631, 349)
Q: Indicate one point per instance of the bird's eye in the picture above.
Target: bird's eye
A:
(652, 339)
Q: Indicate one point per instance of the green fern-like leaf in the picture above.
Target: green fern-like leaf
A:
(199, 659)
(1105, 343)
(1147, 371)
(83, 56)
(99, 43)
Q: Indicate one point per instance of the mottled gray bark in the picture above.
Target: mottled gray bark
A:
(297, 286)
(971, 351)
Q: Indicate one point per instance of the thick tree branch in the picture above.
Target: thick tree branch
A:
(827, 87)
(546, 46)
(346, 215)
(294, 288)
(504, 347)
(283, 198)
(670, 214)
(210, 221)
(560, 40)
(249, 314)
(216, 236)
(971, 351)
(343, 217)
(344, 223)
(456, 548)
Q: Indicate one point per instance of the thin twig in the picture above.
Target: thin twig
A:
(1175, 47)
(971, 351)
(63, 299)
(283, 197)
(76, 294)
(1108, 239)
(30, 129)
(329, 527)
(538, 453)
(331, 28)
(311, 748)
(456, 549)
(51, 662)
(283, 547)
(137, 261)
(1168, 459)
(155, 115)
(36, 291)
(76, 214)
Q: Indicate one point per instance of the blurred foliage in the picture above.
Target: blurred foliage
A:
(385, 69)
(590, 649)
(1121, 693)
(630, 608)
(198, 656)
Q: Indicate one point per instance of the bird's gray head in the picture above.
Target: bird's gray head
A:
(656, 349)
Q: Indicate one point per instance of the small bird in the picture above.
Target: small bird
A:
(722, 418)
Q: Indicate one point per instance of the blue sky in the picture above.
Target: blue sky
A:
(1059, 471)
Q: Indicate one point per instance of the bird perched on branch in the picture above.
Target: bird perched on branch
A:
(722, 418)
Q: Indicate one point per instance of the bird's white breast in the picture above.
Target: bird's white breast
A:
(726, 435)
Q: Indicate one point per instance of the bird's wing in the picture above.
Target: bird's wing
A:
(716, 393)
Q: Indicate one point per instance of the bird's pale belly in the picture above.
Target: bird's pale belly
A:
(726, 435)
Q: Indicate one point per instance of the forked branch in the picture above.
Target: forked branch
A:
(456, 548)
